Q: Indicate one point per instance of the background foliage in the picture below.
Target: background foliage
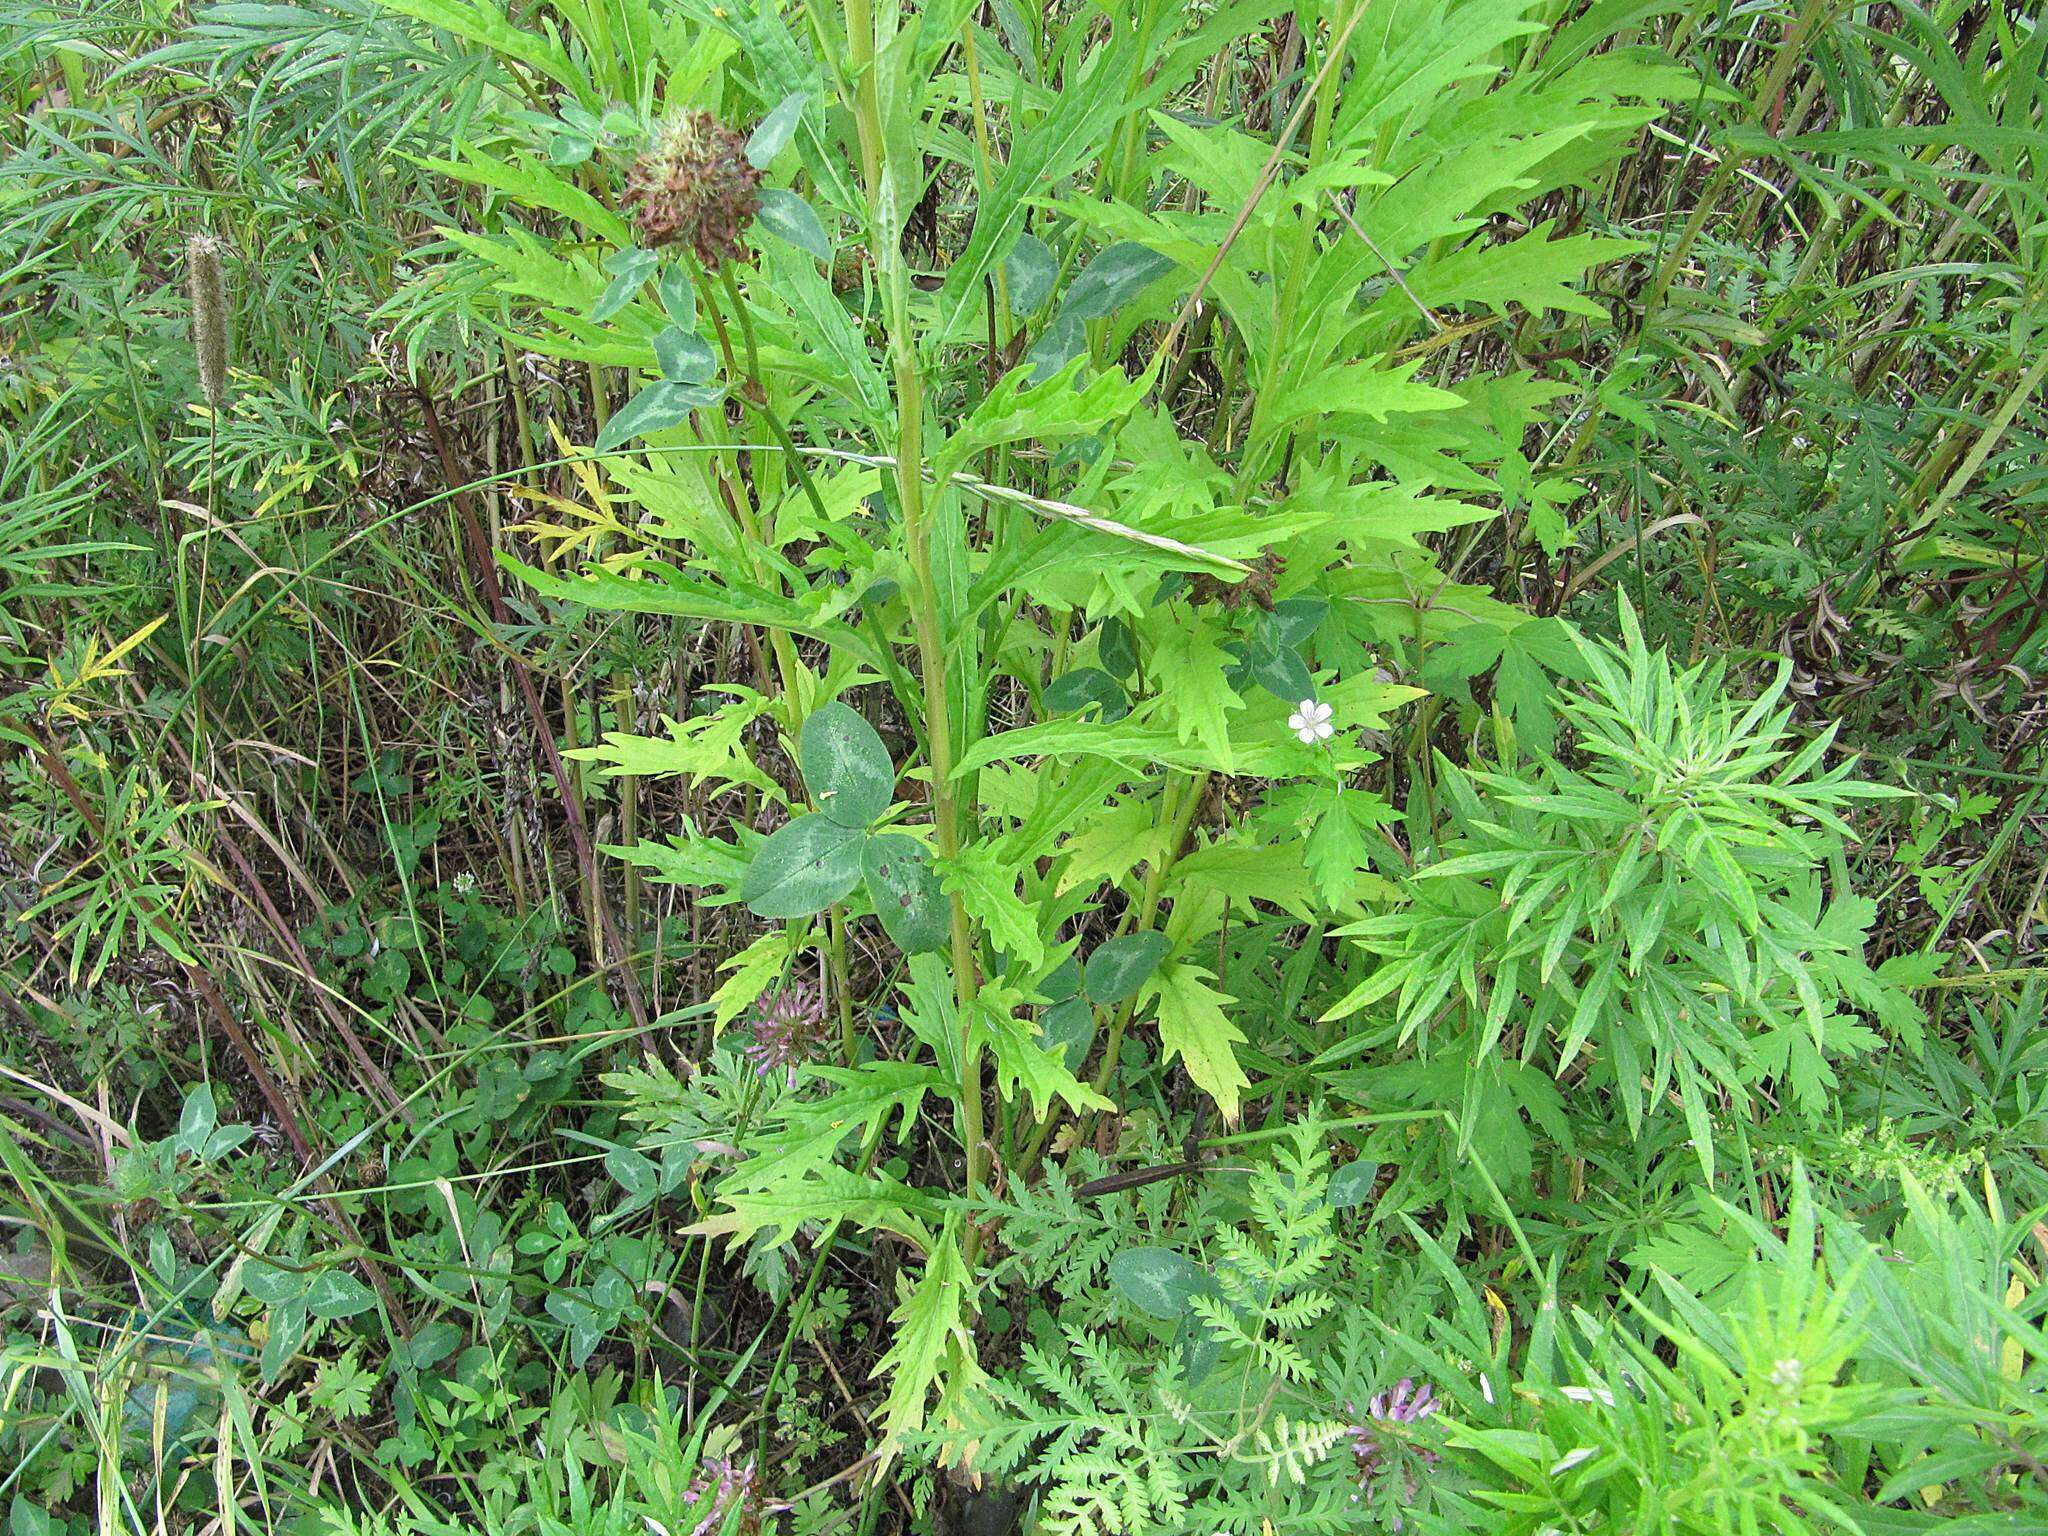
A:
(1110, 767)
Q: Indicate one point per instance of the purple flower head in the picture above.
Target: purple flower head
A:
(789, 1027)
(1388, 1458)
(720, 1485)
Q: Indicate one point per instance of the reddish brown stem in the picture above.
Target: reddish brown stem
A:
(281, 1108)
(579, 836)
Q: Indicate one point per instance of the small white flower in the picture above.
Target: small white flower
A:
(1788, 1374)
(1311, 722)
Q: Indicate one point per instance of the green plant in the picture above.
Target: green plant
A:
(1209, 1407)
(877, 768)
(1643, 912)
(1246, 562)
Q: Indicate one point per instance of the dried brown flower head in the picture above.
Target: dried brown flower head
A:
(694, 186)
(1256, 588)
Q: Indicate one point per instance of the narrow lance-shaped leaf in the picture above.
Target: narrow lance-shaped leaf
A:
(933, 1349)
(788, 217)
(776, 130)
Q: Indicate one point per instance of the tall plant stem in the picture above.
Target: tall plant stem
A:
(922, 596)
(572, 808)
(1710, 196)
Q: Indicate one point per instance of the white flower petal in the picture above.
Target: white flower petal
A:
(1307, 735)
(1325, 730)
(1296, 721)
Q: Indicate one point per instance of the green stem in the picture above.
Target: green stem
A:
(922, 596)
(835, 919)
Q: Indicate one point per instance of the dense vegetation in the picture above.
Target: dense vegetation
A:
(964, 767)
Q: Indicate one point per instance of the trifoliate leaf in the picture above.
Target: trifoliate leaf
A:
(1121, 965)
(846, 767)
(629, 272)
(1086, 688)
(803, 868)
(788, 217)
(655, 408)
(1030, 270)
(684, 357)
(776, 130)
(335, 1293)
(1112, 278)
(1069, 1028)
(906, 892)
(1158, 1281)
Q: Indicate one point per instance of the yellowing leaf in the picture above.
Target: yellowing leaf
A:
(2012, 1355)
(988, 889)
(932, 1350)
(94, 667)
(1194, 1027)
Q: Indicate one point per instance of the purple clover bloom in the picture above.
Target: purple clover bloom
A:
(719, 1486)
(789, 1027)
(1387, 1458)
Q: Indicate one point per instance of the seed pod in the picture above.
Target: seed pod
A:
(207, 283)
